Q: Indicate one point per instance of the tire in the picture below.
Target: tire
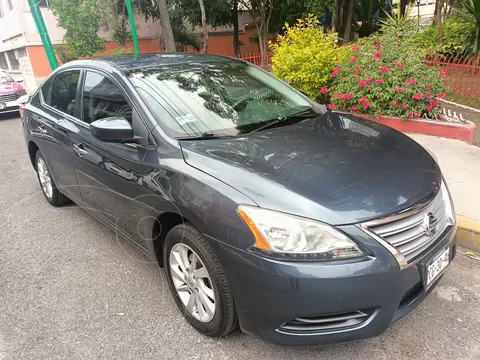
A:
(224, 320)
(53, 195)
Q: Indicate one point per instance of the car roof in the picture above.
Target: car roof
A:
(130, 62)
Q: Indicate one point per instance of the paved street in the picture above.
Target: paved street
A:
(70, 289)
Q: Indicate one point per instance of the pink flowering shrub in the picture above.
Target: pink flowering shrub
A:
(386, 75)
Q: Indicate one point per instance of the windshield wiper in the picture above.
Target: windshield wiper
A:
(300, 116)
(204, 136)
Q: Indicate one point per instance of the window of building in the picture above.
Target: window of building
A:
(102, 98)
(12, 59)
(63, 91)
(10, 4)
(3, 62)
(1, 9)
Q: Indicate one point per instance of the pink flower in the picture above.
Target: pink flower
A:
(430, 52)
(335, 71)
(354, 107)
(353, 59)
(399, 89)
(356, 71)
(369, 88)
(332, 105)
(362, 83)
(428, 95)
(411, 81)
(410, 114)
(338, 94)
(417, 96)
(400, 66)
(379, 81)
(418, 114)
(347, 96)
(442, 95)
(443, 73)
(324, 90)
(356, 48)
(363, 99)
(433, 102)
(429, 107)
(404, 106)
(429, 87)
(393, 102)
(378, 47)
(384, 69)
(366, 104)
(369, 79)
(377, 55)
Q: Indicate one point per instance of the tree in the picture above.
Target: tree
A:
(468, 13)
(261, 13)
(236, 30)
(204, 26)
(348, 22)
(81, 19)
(167, 32)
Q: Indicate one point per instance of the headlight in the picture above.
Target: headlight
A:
(297, 237)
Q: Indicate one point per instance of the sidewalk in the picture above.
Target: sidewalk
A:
(460, 164)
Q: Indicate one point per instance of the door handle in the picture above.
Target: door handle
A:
(42, 130)
(78, 148)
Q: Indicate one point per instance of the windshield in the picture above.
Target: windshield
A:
(4, 77)
(220, 98)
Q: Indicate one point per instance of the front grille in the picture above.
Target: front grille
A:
(326, 322)
(8, 97)
(408, 232)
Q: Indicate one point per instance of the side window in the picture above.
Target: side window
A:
(63, 91)
(102, 98)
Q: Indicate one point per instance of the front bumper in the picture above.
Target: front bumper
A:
(11, 106)
(269, 294)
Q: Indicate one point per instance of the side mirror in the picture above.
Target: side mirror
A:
(112, 129)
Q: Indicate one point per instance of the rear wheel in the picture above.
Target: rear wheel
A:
(49, 189)
(198, 283)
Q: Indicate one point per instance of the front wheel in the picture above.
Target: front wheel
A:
(197, 282)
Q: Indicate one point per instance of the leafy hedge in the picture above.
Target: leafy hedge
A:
(304, 56)
(386, 75)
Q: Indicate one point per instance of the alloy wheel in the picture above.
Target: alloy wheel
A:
(192, 282)
(45, 179)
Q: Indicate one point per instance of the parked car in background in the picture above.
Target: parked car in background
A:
(12, 93)
(299, 224)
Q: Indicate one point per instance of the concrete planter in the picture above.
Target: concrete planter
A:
(463, 132)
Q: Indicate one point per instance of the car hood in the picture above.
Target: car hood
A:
(336, 168)
(9, 87)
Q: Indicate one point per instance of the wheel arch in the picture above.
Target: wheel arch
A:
(32, 150)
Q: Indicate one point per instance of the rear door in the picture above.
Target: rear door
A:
(110, 174)
(52, 126)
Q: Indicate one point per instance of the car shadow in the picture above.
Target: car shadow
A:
(10, 115)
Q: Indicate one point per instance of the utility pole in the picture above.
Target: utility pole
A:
(418, 15)
(47, 44)
(128, 3)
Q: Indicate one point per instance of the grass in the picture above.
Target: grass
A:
(464, 99)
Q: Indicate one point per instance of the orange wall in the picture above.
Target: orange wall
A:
(222, 44)
(41, 66)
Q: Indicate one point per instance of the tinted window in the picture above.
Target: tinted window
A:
(224, 97)
(63, 91)
(102, 98)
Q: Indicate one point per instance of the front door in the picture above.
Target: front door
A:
(53, 128)
(109, 174)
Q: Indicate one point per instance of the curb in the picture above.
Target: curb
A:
(460, 131)
(468, 233)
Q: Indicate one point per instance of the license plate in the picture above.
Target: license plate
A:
(437, 266)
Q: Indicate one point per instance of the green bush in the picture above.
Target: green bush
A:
(304, 56)
(427, 37)
(386, 76)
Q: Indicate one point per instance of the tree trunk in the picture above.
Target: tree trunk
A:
(204, 26)
(439, 6)
(348, 24)
(167, 33)
(403, 6)
(236, 31)
(336, 16)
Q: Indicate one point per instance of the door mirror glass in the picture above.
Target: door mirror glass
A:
(112, 129)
